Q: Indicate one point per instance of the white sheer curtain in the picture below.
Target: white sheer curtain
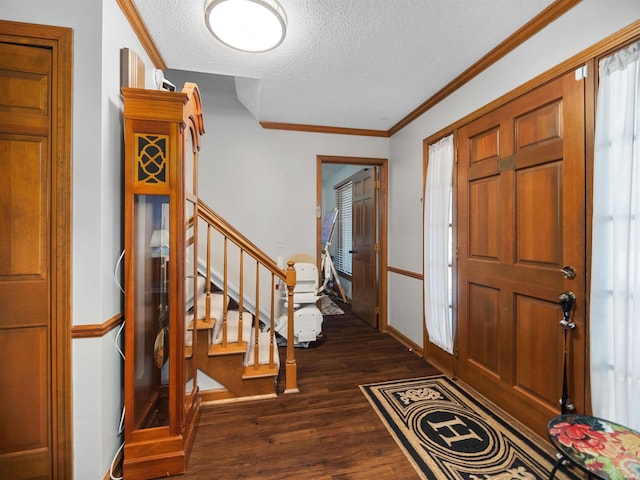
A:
(615, 271)
(437, 206)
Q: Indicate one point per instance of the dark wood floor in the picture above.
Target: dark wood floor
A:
(327, 431)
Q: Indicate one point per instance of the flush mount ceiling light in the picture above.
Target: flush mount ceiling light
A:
(247, 25)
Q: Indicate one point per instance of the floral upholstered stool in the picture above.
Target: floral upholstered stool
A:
(601, 448)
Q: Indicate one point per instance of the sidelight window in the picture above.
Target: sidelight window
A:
(438, 246)
(615, 267)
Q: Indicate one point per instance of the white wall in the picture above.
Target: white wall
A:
(263, 181)
(99, 31)
(583, 26)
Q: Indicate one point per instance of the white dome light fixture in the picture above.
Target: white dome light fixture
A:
(247, 25)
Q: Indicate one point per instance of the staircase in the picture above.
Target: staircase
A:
(231, 360)
(232, 345)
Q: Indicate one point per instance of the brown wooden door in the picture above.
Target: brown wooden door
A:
(521, 215)
(26, 413)
(364, 259)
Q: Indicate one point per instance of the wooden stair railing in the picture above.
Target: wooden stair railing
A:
(263, 264)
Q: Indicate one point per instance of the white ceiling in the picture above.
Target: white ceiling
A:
(362, 64)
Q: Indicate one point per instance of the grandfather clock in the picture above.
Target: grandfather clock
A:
(162, 134)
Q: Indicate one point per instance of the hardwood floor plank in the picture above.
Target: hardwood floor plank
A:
(327, 431)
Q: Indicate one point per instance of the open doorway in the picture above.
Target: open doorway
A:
(365, 285)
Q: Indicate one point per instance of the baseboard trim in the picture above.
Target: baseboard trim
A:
(222, 395)
(406, 341)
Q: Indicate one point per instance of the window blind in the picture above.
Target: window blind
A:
(344, 201)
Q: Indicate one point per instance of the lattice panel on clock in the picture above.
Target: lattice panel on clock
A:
(151, 158)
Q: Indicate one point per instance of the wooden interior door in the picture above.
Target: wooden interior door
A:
(364, 259)
(26, 338)
(521, 219)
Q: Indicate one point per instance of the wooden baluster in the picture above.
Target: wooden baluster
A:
(224, 296)
(207, 285)
(256, 321)
(241, 297)
(193, 221)
(288, 276)
(272, 324)
(291, 382)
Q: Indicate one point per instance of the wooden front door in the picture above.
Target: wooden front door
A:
(364, 259)
(33, 352)
(521, 219)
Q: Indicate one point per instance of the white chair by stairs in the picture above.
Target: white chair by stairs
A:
(307, 318)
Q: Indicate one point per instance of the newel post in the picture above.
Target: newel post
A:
(291, 382)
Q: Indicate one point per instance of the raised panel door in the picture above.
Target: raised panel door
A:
(521, 204)
(364, 260)
(26, 432)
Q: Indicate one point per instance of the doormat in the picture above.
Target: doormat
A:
(328, 307)
(446, 433)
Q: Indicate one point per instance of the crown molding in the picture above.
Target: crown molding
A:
(540, 21)
(299, 127)
(604, 47)
(135, 20)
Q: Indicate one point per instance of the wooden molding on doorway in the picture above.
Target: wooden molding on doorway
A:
(383, 222)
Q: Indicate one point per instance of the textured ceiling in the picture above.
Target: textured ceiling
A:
(362, 64)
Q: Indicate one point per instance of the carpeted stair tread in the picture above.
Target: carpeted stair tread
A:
(264, 343)
(233, 320)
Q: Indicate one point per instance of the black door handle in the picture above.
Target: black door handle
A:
(569, 272)
(567, 300)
